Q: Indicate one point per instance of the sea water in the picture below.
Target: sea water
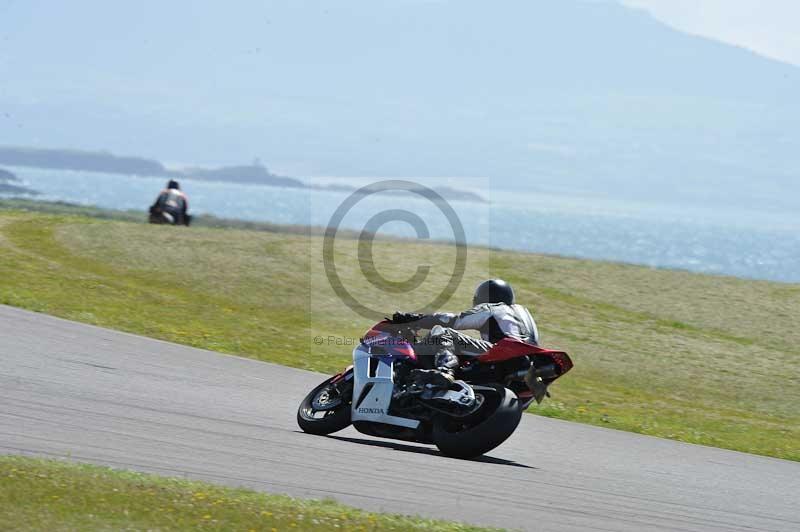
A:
(702, 239)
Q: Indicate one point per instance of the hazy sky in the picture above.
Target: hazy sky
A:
(583, 95)
(769, 27)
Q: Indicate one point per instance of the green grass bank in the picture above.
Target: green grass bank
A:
(58, 496)
(697, 358)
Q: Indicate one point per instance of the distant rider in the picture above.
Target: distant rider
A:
(171, 206)
(493, 313)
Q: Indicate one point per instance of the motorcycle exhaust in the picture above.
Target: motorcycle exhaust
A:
(535, 380)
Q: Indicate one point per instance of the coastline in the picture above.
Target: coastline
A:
(211, 221)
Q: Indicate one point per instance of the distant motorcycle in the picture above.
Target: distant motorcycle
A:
(163, 216)
(479, 411)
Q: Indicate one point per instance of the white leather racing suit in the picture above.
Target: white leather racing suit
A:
(495, 321)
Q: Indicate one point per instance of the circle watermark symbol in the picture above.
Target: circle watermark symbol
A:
(366, 240)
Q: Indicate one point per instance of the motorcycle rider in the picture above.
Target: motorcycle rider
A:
(171, 206)
(493, 313)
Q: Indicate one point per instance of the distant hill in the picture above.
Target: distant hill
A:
(102, 161)
(568, 95)
(255, 174)
(105, 162)
(79, 160)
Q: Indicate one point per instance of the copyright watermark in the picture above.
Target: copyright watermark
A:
(332, 339)
(336, 340)
(395, 210)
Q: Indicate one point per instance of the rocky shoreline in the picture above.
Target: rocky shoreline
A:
(6, 187)
(254, 173)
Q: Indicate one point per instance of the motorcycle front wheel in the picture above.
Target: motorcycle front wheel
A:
(479, 433)
(326, 409)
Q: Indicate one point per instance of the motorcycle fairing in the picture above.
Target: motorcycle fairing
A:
(373, 386)
(508, 348)
(383, 339)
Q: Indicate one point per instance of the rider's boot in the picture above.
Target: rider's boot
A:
(441, 377)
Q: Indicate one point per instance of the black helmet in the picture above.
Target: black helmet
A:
(173, 184)
(493, 291)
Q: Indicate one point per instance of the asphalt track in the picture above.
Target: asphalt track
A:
(95, 395)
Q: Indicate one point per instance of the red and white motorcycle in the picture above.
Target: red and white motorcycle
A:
(479, 411)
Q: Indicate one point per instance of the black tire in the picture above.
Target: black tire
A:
(491, 425)
(334, 418)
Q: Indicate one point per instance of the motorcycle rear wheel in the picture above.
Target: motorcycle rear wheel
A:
(326, 409)
(479, 433)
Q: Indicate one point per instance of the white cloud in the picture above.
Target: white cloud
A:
(768, 27)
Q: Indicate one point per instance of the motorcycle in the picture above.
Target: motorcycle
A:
(380, 396)
(160, 216)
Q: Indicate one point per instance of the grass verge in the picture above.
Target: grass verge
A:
(697, 358)
(56, 496)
